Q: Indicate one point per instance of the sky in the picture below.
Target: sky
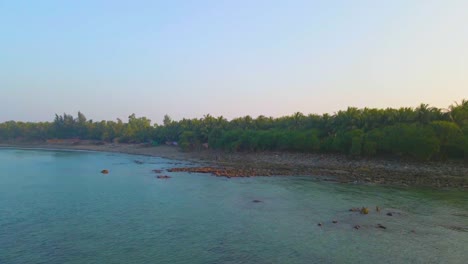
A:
(109, 59)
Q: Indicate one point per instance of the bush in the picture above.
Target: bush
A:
(417, 141)
(356, 142)
(450, 137)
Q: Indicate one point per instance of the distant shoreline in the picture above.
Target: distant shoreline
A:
(328, 167)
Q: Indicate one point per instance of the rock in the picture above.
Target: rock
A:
(377, 209)
(163, 177)
(334, 221)
(389, 214)
(104, 171)
(357, 226)
(381, 226)
(339, 171)
(256, 201)
(364, 210)
(157, 171)
(354, 209)
(319, 224)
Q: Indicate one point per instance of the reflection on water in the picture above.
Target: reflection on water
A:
(55, 207)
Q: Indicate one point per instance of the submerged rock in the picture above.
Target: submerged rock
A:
(357, 226)
(104, 171)
(381, 226)
(157, 171)
(389, 214)
(163, 177)
(319, 224)
(256, 201)
(334, 221)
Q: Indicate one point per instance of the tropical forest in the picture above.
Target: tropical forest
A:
(420, 133)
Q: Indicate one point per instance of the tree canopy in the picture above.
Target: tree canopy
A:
(423, 132)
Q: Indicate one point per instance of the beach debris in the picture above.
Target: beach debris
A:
(381, 226)
(105, 172)
(334, 221)
(389, 214)
(138, 161)
(163, 177)
(256, 201)
(319, 224)
(157, 171)
(364, 210)
(357, 227)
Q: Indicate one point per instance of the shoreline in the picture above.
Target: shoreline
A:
(328, 167)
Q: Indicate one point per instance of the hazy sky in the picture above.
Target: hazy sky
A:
(110, 59)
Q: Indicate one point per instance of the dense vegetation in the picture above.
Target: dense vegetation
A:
(422, 133)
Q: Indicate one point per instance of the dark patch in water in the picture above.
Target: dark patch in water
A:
(460, 214)
(457, 228)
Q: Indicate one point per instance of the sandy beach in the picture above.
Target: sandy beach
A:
(329, 167)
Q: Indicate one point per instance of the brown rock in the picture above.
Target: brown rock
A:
(364, 210)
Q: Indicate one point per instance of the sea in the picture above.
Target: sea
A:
(57, 207)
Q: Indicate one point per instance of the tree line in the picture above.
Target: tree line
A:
(422, 133)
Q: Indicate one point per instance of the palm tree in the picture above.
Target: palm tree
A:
(459, 112)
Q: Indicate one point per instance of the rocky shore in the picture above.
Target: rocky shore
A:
(329, 167)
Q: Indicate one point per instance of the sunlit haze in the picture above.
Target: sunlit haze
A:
(109, 59)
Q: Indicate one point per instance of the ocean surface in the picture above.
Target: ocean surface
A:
(56, 207)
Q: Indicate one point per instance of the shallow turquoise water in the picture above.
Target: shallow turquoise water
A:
(55, 207)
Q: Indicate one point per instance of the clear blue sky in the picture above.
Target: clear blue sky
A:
(110, 59)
